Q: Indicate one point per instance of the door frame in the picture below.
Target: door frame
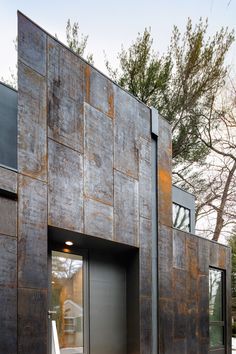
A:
(54, 246)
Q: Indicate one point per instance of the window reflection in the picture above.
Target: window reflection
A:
(67, 301)
(181, 217)
(216, 316)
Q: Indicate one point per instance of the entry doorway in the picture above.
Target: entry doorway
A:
(68, 312)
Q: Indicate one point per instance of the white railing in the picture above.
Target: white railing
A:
(55, 342)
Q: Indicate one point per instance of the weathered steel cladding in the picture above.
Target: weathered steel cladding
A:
(98, 156)
(32, 233)
(8, 180)
(32, 322)
(93, 141)
(8, 320)
(98, 219)
(8, 217)
(189, 301)
(65, 96)
(31, 45)
(126, 213)
(65, 187)
(183, 265)
(32, 123)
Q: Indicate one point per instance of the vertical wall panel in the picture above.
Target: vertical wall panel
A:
(98, 154)
(65, 96)
(31, 45)
(125, 143)
(32, 124)
(32, 237)
(65, 199)
(32, 333)
(125, 209)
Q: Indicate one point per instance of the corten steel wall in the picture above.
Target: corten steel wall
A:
(84, 159)
(183, 272)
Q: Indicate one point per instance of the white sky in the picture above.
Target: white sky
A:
(111, 23)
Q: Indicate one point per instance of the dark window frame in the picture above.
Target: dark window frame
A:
(220, 324)
(189, 223)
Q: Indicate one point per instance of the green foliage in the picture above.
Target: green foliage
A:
(182, 84)
(76, 41)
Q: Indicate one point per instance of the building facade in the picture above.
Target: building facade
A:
(90, 259)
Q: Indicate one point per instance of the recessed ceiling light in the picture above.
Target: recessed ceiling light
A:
(69, 243)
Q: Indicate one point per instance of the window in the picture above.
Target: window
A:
(181, 217)
(216, 308)
(67, 301)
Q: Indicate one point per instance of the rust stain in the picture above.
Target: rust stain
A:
(165, 180)
(222, 258)
(110, 112)
(87, 82)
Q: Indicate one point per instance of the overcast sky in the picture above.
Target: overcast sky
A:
(111, 23)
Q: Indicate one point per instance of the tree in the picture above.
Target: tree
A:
(77, 42)
(184, 85)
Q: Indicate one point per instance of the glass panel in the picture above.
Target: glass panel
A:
(216, 336)
(215, 295)
(181, 217)
(67, 301)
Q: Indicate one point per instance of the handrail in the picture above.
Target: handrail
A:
(55, 342)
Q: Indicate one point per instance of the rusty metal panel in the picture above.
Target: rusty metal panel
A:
(180, 346)
(179, 249)
(214, 254)
(164, 173)
(32, 321)
(65, 96)
(145, 261)
(101, 95)
(179, 283)
(203, 306)
(191, 333)
(32, 233)
(65, 199)
(125, 209)
(31, 44)
(143, 121)
(203, 256)
(180, 318)
(8, 180)
(165, 256)
(32, 124)
(8, 261)
(98, 155)
(8, 320)
(192, 267)
(145, 325)
(126, 143)
(145, 183)
(203, 346)
(98, 219)
(8, 217)
(166, 315)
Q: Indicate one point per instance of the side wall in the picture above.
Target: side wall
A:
(183, 266)
(8, 261)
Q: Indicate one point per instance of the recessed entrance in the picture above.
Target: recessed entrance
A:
(94, 298)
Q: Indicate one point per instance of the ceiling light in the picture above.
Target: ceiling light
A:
(69, 243)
